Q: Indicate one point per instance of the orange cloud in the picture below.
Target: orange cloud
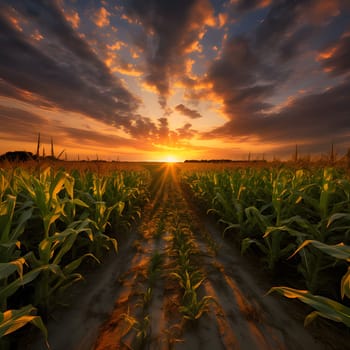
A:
(204, 11)
(37, 35)
(129, 19)
(127, 69)
(326, 54)
(251, 4)
(116, 46)
(194, 47)
(321, 11)
(133, 53)
(73, 18)
(264, 3)
(334, 59)
(101, 17)
(14, 20)
(222, 19)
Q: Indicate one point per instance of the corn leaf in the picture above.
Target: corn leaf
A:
(325, 307)
(338, 251)
(345, 284)
(337, 216)
(6, 269)
(11, 320)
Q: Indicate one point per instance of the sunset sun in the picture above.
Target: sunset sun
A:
(170, 159)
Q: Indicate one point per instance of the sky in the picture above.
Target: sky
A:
(137, 80)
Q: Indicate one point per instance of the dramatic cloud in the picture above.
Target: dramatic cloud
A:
(186, 132)
(193, 114)
(73, 18)
(336, 59)
(323, 116)
(101, 17)
(88, 138)
(247, 5)
(19, 123)
(267, 73)
(241, 79)
(71, 76)
(173, 29)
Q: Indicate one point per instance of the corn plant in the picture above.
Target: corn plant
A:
(50, 221)
(60, 274)
(324, 307)
(12, 320)
(274, 210)
(43, 192)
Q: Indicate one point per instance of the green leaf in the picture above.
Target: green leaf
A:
(325, 307)
(338, 251)
(283, 228)
(6, 269)
(337, 216)
(11, 320)
(7, 210)
(79, 202)
(12, 287)
(248, 241)
(72, 266)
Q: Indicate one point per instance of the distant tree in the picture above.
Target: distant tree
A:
(17, 156)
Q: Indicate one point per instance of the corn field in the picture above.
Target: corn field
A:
(56, 223)
(296, 221)
(51, 220)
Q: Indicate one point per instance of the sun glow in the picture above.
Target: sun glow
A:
(170, 159)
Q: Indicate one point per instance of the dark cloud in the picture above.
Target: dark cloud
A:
(90, 138)
(18, 124)
(336, 58)
(140, 127)
(66, 72)
(253, 67)
(241, 78)
(186, 132)
(49, 17)
(248, 5)
(172, 28)
(9, 90)
(293, 44)
(323, 116)
(289, 26)
(279, 20)
(191, 113)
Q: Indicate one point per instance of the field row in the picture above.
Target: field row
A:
(296, 221)
(50, 222)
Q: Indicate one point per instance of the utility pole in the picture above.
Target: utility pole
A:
(52, 151)
(332, 156)
(38, 147)
(296, 153)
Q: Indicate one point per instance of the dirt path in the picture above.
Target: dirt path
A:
(135, 301)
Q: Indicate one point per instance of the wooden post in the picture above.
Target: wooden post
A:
(52, 151)
(296, 153)
(38, 147)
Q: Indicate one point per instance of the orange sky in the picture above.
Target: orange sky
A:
(153, 80)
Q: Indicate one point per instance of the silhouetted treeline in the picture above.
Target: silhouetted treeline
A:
(17, 156)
